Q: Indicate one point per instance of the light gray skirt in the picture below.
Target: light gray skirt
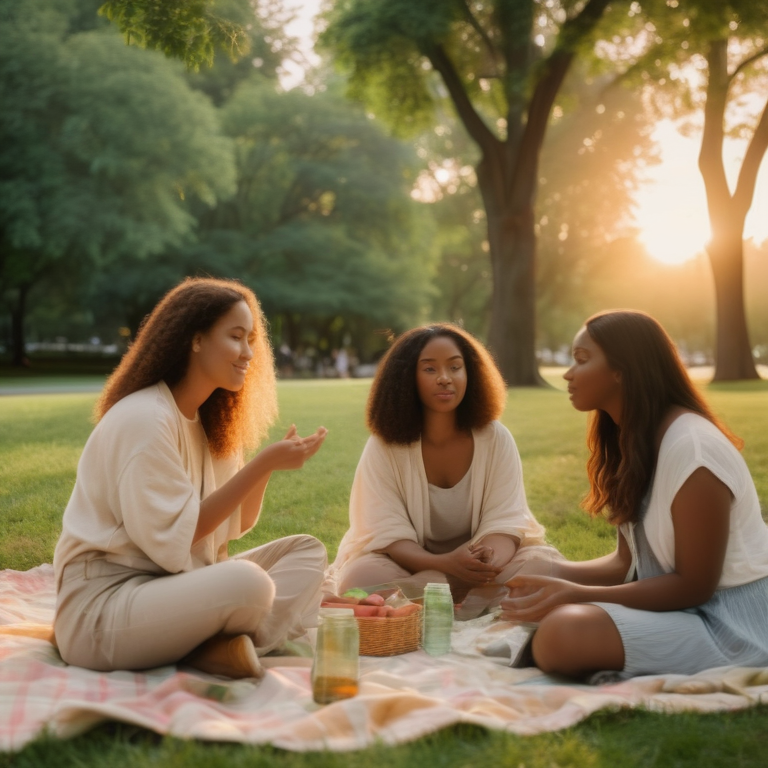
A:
(731, 628)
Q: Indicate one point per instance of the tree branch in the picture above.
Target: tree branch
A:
(475, 24)
(555, 68)
(749, 60)
(472, 121)
(745, 186)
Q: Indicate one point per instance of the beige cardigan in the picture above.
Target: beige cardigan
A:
(390, 496)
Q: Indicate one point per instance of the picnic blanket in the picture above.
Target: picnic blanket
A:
(401, 698)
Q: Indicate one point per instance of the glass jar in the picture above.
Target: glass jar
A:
(335, 668)
(438, 619)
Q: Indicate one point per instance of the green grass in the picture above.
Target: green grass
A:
(41, 437)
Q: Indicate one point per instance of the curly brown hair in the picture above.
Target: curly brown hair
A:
(233, 421)
(395, 412)
(653, 379)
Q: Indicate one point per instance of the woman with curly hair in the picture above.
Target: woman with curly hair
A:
(142, 572)
(438, 493)
(687, 587)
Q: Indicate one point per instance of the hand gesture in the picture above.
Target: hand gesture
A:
(293, 450)
(533, 597)
(469, 564)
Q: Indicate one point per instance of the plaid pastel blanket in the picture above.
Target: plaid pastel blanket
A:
(401, 698)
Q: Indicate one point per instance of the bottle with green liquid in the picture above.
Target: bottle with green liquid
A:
(438, 619)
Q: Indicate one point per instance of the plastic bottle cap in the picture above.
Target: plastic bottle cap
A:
(336, 612)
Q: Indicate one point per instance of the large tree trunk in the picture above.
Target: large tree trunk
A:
(507, 175)
(512, 334)
(733, 351)
(727, 213)
(508, 200)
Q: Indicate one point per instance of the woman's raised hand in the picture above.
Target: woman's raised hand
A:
(293, 450)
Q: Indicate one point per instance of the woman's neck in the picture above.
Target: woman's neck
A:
(439, 428)
(189, 396)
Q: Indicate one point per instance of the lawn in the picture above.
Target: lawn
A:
(41, 437)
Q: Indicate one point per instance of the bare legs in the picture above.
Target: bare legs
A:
(576, 640)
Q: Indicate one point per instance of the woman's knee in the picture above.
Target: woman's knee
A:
(311, 550)
(576, 638)
(244, 582)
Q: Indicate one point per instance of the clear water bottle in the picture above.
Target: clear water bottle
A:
(336, 665)
(438, 619)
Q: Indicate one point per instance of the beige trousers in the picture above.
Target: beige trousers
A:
(112, 617)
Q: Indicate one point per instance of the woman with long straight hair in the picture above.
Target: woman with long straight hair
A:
(142, 570)
(687, 587)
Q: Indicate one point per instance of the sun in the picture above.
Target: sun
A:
(671, 207)
(672, 230)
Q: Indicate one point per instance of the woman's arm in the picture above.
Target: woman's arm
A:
(602, 571)
(460, 563)
(700, 517)
(247, 487)
(503, 547)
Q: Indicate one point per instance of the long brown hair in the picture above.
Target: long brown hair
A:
(233, 421)
(653, 379)
(395, 412)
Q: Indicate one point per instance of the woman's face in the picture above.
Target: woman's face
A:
(592, 383)
(441, 377)
(223, 353)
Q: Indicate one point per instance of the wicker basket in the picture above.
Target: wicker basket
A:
(391, 636)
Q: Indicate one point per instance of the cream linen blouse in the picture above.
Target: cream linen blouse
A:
(140, 481)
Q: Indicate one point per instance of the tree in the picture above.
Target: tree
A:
(322, 225)
(501, 63)
(99, 147)
(712, 57)
(588, 172)
(728, 211)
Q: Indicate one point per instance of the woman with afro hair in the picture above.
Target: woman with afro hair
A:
(142, 572)
(438, 493)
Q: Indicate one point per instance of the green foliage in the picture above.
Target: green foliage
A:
(381, 47)
(268, 47)
(190, 30)
(322, 224)
(100, 146)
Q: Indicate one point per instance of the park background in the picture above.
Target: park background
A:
(343, 185)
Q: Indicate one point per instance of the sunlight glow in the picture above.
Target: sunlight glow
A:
(671, 207)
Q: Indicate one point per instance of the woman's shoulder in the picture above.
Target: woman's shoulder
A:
(375, 446)
(694, 441)
(692, 430)
(493, 432)
(143, 414)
